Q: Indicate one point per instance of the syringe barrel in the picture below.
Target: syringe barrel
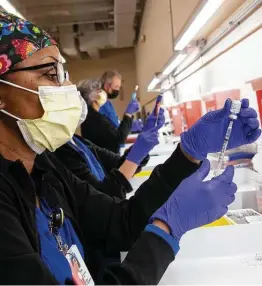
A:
(234, 111)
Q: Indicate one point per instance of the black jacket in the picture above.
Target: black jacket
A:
(99, 130)
(114, 184)
(103, 224)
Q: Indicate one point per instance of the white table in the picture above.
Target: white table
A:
(161, 149)
(220, 255)
(164, 149)
(229, 255)
(155, 160)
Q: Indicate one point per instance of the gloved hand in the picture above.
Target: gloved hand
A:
(144, 143)
(132, 107)
(137, 125)
(152, 118)
(208, 133)
(195, 203)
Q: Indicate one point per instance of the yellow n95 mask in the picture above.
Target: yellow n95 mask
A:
(102, 98)
(64, 111)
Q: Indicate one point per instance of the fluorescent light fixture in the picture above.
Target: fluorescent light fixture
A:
(204, 15)
(155, 81)
(176, 62)
(167, 83)
(10, 8)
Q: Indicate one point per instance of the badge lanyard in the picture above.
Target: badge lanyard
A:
(56, 220)
(80, 274)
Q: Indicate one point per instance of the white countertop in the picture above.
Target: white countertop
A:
(219, 255)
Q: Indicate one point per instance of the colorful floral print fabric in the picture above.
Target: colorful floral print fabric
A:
(19, 39)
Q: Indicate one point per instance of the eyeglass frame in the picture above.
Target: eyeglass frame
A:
(38, 67)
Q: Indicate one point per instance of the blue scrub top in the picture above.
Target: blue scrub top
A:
(108, 110)
(91, 161)
(50, 254)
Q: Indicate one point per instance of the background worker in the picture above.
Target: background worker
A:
(106, 171)
(100, 129)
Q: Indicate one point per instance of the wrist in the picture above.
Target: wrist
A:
(161, 225)
(189, 157)
(173, 242)
(161, 221)
(128, 169)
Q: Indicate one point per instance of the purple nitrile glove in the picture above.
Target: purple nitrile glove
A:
(208, 133)
(132, 107)
(144, 143)
(196, 203)
(137, 125)
(152, 118)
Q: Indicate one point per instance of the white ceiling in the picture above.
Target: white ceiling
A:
(84, 27)
(55, 13)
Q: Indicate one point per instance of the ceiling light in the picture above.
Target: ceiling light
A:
(155, 81)
(168, 83)
(173, 64)
(10, 8)
(203, 16)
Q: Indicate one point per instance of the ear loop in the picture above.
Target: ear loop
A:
(11, 115)
(18, 86)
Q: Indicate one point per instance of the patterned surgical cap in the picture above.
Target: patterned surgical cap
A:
(19, 39)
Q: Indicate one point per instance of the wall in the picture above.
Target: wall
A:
(233, 68)
(157, 48)
(153, 54)
(122, 59)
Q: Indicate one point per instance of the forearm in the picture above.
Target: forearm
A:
(128, 169)
(162, 225)
(145, 264)
(115, 184)
(125, 220)
(155, 191)
(178, 167)
(141, 165)
(190, 158)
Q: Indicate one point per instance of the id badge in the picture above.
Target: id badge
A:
(80, 273)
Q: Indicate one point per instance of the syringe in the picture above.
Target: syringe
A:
(134, 94)
(234, 111)
(157, 106)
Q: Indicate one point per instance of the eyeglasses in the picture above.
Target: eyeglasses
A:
(61, 74)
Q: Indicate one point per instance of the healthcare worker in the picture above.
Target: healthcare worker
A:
(111, 83)
(106, 171)
(109, 135)
(48, 216)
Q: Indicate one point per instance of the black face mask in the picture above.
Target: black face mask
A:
(113, 94)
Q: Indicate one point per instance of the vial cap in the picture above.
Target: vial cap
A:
(235, 106)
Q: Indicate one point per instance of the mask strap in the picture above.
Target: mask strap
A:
(18, 86)
(11, 115)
